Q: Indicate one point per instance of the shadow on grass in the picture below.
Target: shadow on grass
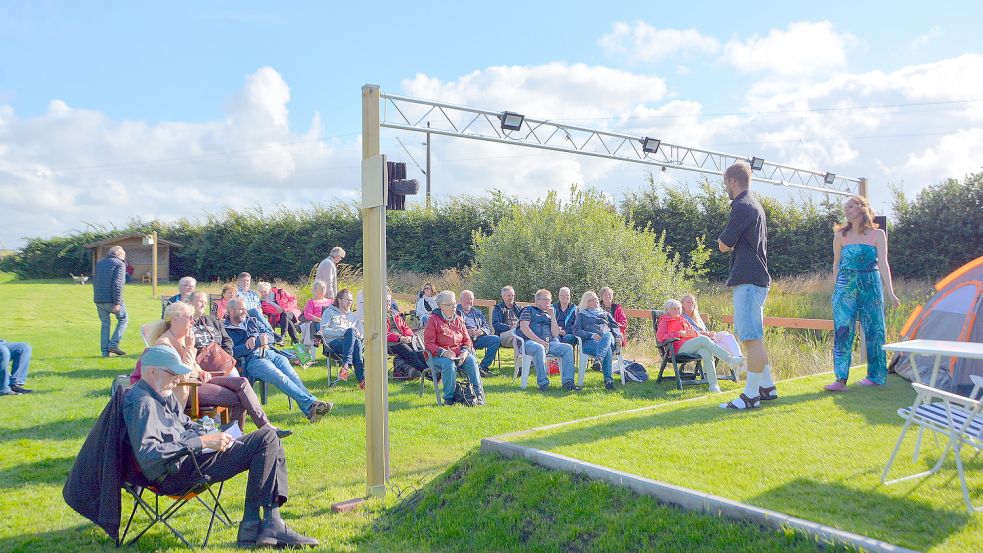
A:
(488, 503)
(45, 471)
(54, 430)
(108, 373)
(866, 511)
(84, 537)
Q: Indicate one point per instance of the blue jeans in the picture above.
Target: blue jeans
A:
(569, 339)
(14, 359)
(603, 351)
(349, 349)
(264, 323)
(490, 343)
(749, 311)
(557, 349)
(276, 370)
(107, 343)
(448, 375)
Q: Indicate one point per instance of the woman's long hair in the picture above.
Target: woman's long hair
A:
(868, 217)
(164, 324)
(696, 310)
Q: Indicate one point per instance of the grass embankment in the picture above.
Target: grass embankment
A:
(41, 433)
(811, 454)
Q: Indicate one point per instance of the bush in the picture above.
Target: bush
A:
(583, 244)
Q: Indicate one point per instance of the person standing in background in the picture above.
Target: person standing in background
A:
(107, 292)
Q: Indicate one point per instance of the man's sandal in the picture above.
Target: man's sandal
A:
(748, 404)
(768, 393)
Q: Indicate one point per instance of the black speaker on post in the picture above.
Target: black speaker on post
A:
(399, 186)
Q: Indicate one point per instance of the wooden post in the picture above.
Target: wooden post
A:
(153, 267)
(374, 273)
(862, 187)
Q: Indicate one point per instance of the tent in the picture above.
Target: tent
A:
(953, 313)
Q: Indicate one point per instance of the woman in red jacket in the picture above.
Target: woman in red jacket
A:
(691, 341)
(399, 337)
(607, 303)
(447, 339)
(280, 307)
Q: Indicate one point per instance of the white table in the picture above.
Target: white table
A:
(938, 349)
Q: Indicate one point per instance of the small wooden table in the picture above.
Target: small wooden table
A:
(938, 349)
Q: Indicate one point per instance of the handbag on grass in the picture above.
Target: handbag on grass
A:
(216, 360)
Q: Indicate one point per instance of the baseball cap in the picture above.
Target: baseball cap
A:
(164, 357)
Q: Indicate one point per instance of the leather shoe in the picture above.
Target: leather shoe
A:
(9, 392)
(20, 389)
(283, 433)
(278, 534)
(117, 351)
(248, 531)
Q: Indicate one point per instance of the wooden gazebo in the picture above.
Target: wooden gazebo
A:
(137, 254)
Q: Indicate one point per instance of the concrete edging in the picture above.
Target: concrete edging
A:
(691, 500)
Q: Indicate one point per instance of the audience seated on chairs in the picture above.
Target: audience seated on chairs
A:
(426, 303)
(598, 332)
(480, 331)
(505, 317)
(280, 308)
(400, 340)
(566, 313)
(691, 341)
(15, 357)
(724, 339)
(446, 338)
(186, 286)
(339, 327)
(541, 333)
(607, 303)
(229, 291)
(161, 436)
(252, 344)
(178, 330)
(251, 301)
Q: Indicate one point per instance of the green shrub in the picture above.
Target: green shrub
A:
(582, 243)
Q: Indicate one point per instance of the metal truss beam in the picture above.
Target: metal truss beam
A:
(413, 114)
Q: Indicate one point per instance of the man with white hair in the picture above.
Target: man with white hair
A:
(327, 270)
(186, 286)
(480, 331)
(505, 317)
(107, 293)
(539, 329)
(163, 438)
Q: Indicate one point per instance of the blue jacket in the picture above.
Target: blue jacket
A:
(107, 283)
(565, 318)
(241, 333)
(587, 324)
(498, 316)
(474, 319)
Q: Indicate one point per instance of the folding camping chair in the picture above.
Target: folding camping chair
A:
(959, 419)
(432, 374)
(135, 484)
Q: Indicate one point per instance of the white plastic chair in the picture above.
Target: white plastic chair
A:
(616, 362)
(956, 418)
(524, 361)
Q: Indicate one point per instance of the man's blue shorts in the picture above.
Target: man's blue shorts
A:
(749, 311)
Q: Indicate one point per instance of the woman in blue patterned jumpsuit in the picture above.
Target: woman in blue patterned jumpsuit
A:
(862, 276)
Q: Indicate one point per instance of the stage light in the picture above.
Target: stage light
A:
(829, 178)
(650, 145)
(511, 121)
(757, 163)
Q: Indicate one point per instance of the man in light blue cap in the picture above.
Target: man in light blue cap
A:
(162, 437)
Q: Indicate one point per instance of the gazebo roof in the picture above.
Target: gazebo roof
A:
(120, 238)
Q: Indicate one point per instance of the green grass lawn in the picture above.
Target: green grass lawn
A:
(445, 496)
(811, 454)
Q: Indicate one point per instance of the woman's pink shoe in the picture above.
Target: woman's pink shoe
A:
(868, 382)
(836, 386)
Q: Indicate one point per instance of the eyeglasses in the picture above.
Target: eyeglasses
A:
(447, 303)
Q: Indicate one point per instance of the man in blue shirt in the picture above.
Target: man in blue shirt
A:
(505, 316)
(538, 327)
(481, 333)
(746, 239)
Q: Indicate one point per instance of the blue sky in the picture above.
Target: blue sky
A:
(115, 110)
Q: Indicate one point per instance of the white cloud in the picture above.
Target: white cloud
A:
(642, 42)
(82, 167)
(805, 48)
(933, 34)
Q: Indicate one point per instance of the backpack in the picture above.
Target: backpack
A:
(464, 393)
(403, 370)
(635, 372)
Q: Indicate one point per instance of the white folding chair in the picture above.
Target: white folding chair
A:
(958, 419)
(523, 361)
(616, 362)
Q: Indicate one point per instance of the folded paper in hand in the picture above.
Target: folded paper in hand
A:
(233, 431)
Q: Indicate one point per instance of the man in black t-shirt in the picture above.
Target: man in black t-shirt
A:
(746, 238)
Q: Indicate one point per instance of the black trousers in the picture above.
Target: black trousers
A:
(406, 353)
(260, 453)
